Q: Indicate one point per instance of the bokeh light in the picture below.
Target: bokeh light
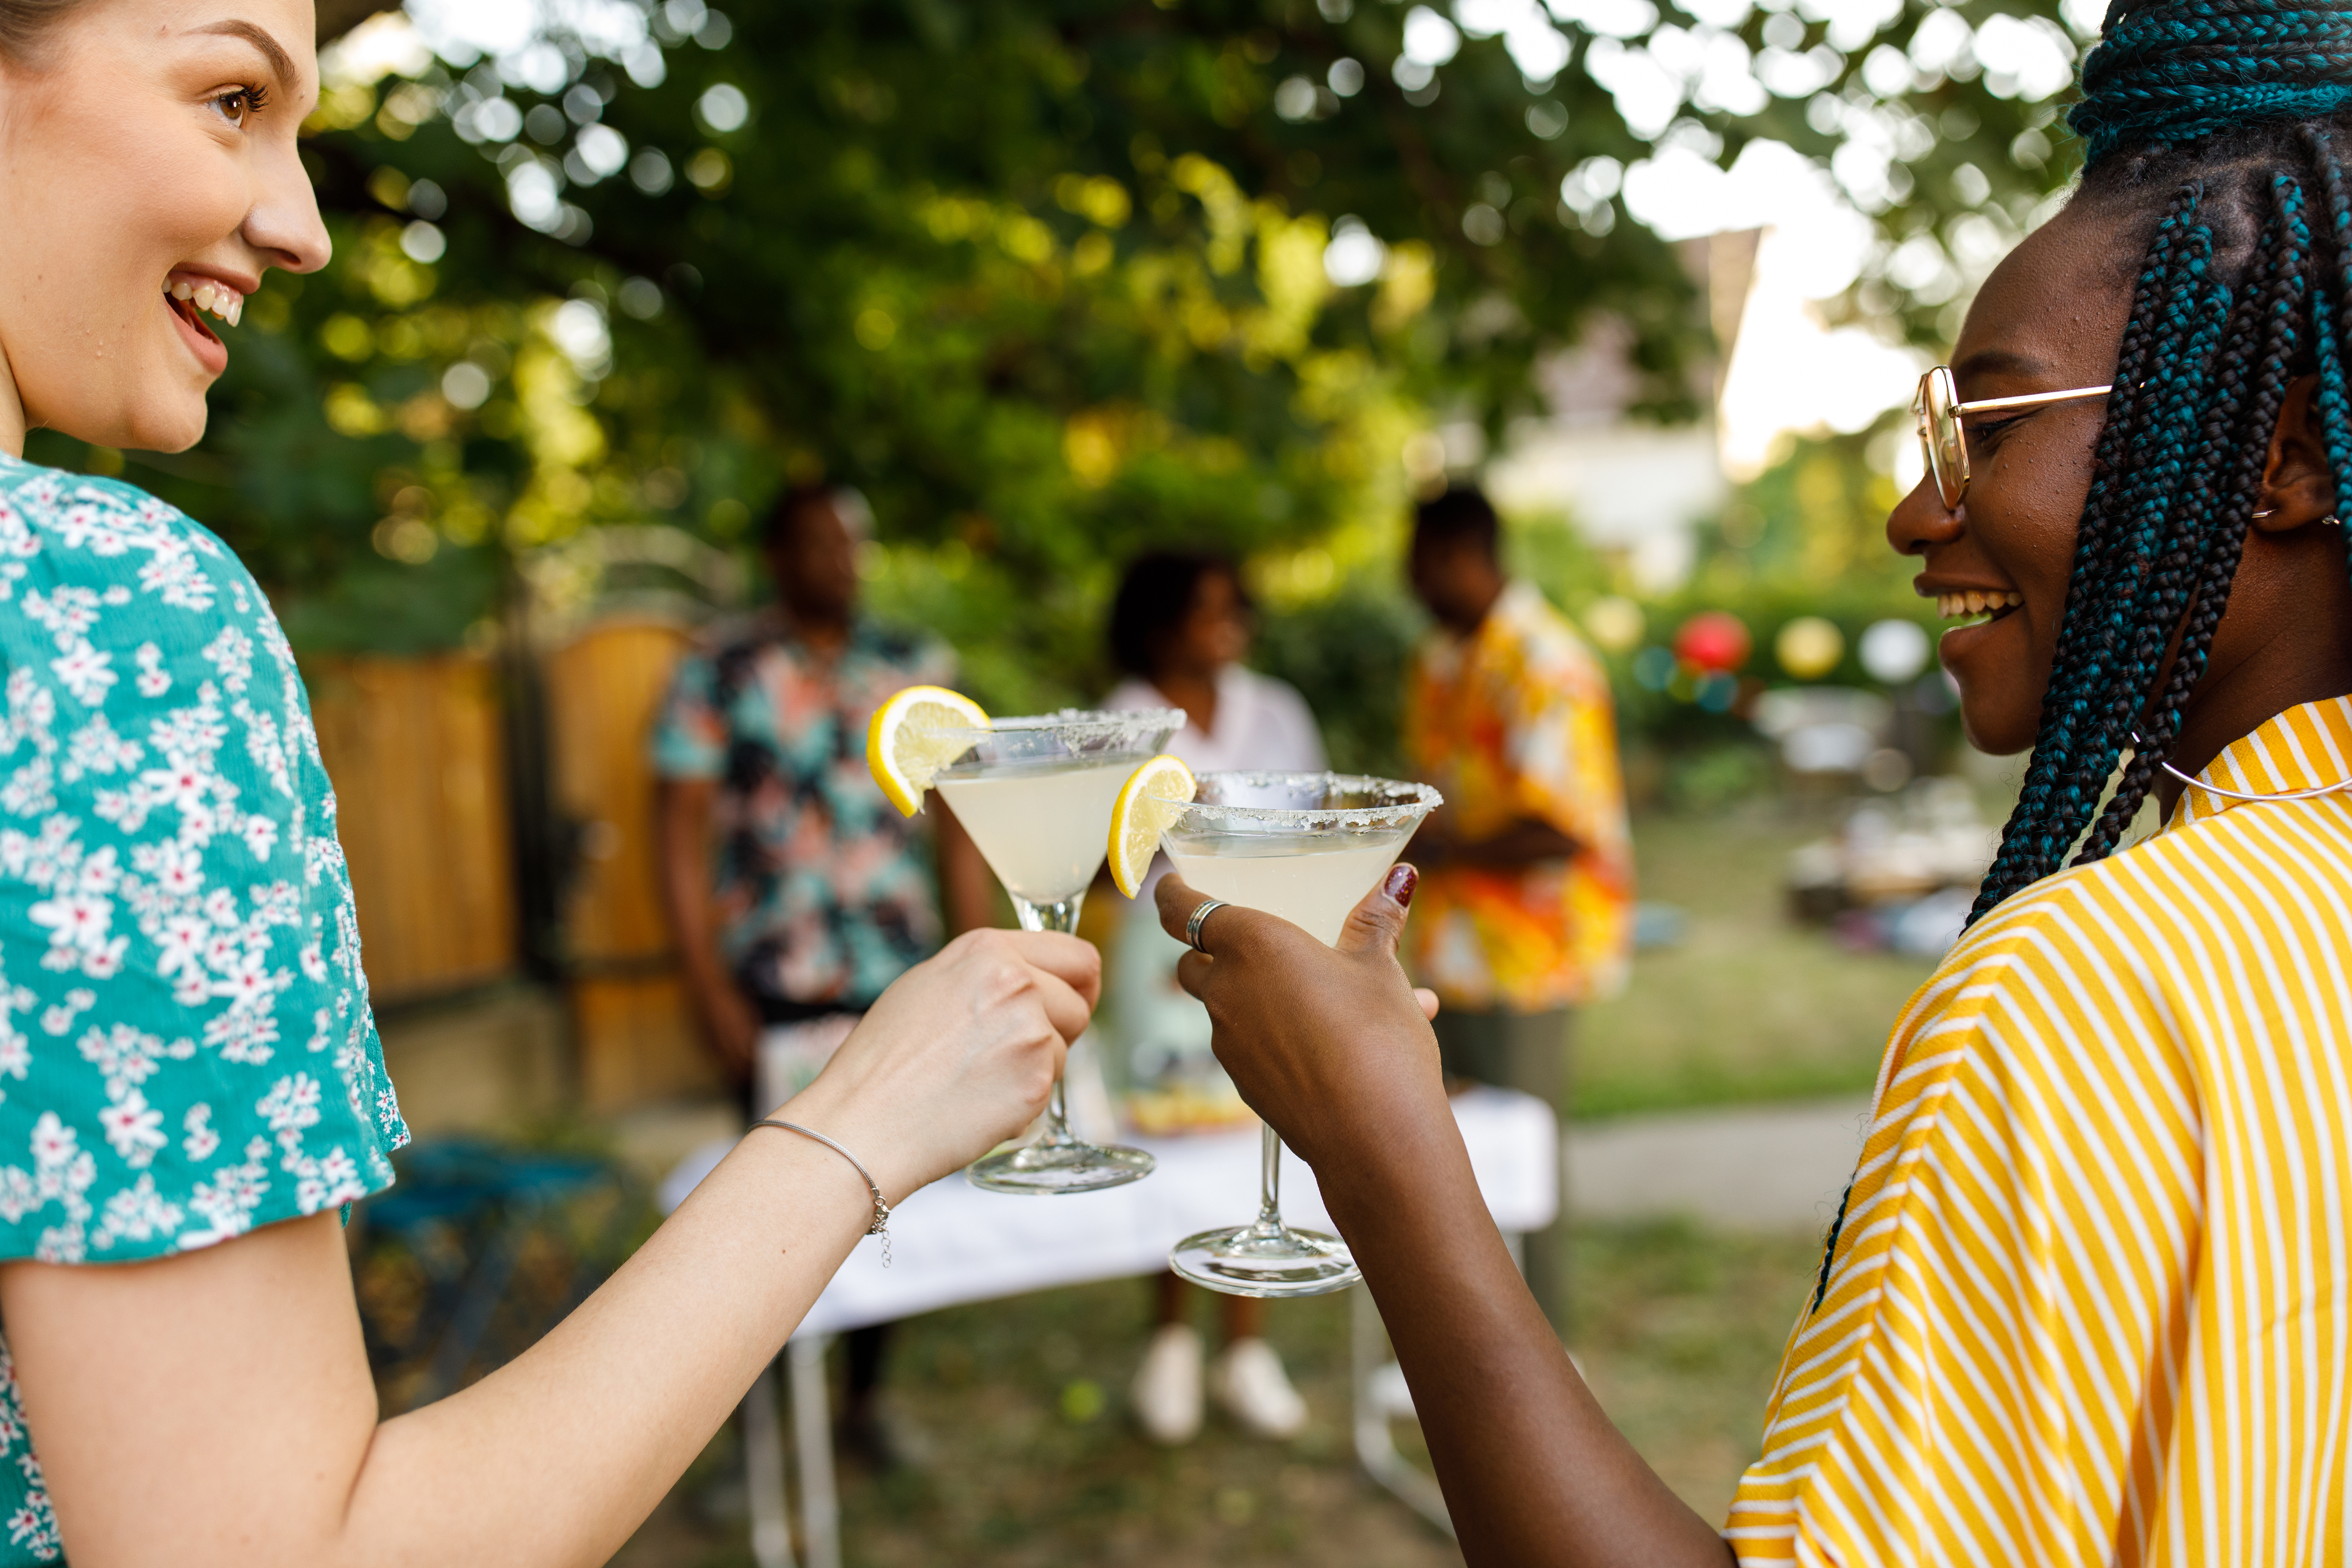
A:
(1809, 647)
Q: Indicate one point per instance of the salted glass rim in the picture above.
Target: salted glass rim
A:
(1085, 723)
(1031, 739)
(1411, 802)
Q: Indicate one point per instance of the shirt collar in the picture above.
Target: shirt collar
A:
(2306, 748)
(1519, 600)
(1511, 609)
(774, 625)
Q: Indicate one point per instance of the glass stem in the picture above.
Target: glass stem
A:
(1269, 1198)
(1061, 914)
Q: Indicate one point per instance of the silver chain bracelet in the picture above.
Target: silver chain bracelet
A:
(881, 1226)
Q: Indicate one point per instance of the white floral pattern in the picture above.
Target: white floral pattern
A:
(186, 1050)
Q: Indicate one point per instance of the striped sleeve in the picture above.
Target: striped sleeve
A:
(2087, 1301)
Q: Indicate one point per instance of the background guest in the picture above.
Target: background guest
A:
(797, 892)
(1180, 628)
(1524, 904)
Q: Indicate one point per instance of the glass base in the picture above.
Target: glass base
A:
(1050, 1169)
(1261, 1261)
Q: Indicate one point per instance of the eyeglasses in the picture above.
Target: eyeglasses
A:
(1938, 409)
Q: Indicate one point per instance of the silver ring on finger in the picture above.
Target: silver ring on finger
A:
(1192, 926)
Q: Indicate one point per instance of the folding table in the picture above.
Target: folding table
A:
(953, 1243)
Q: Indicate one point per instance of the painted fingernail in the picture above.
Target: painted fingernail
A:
(1402, 879)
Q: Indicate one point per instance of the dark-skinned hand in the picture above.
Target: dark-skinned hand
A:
(1328, 1044)
(1332, 1046)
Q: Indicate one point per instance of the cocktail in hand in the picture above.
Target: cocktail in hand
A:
(1035, 795)
(1307, 847)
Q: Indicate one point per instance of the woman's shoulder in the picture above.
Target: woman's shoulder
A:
(2148, 939)
(75, 511)
(2055, 920)
(1284, 724)
(86, 533)
(185, 1045)
(1132, 694)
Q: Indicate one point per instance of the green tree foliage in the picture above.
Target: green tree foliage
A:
(1050, 279)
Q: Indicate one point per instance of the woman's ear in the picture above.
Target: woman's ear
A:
(2298, 489)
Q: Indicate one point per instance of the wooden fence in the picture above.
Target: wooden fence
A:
(417, 751)
(635, 1034)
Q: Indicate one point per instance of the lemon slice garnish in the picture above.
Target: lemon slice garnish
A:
(904, 745)
(1146, 805)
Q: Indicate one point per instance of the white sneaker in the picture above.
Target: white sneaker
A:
(1250, 1385)
(1167, 1388)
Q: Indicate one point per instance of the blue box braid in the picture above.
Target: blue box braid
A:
(2212, 125)
(2235, 443)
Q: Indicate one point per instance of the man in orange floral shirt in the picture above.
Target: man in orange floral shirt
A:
(1524, 904)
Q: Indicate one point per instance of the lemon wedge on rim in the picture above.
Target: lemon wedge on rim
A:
(1146, 805)
(905, 746)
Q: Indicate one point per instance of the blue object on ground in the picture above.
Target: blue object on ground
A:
(1659, 925)
(467, 1207)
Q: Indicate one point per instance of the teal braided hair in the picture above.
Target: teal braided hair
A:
(2211, 126)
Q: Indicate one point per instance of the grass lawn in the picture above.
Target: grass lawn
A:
(1748, 1005)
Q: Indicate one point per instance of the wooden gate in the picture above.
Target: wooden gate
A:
(418, 755)
(636, 1034)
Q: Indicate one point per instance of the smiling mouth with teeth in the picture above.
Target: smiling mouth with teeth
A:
(1992, 606)
(189, 296)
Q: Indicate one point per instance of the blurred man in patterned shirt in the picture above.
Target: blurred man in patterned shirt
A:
(796, 891)
(1525, 903)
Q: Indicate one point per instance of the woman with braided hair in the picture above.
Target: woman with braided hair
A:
(2088, 1298)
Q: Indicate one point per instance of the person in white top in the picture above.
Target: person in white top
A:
(1181, 627)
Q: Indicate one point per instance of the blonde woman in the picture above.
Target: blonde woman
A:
(191, 1087)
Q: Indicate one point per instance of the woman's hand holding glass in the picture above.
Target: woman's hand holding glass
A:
(1333, 1047)
(958, 1055)
(1330, 1044)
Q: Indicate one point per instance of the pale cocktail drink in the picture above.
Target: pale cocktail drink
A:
(1307, 847)
(1311, 883)
(1035, 795)
(1042, 830)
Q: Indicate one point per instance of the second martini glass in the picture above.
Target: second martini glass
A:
(1307, 847)
(1035, 796)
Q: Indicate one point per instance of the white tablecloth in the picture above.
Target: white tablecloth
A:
(953, 1243)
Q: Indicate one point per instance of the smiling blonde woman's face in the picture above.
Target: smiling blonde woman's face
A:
(149, 177)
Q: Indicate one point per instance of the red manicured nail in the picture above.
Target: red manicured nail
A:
(1402, 879)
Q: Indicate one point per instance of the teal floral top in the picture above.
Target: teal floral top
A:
(185, 1045)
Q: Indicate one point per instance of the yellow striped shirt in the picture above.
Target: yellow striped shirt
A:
(2088, 1301)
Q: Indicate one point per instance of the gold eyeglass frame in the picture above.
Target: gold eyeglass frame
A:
(1944, 439)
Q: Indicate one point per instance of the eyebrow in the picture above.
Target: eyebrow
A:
(1999, 361)
(280, 62)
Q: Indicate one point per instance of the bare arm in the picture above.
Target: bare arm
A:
(1340, 1059)
(215, 1409)
(965, 881)
(728, 1020)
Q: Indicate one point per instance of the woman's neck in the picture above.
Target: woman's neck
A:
(2285, 640)
(1194, 691)
(12, 412)
(2239, 705)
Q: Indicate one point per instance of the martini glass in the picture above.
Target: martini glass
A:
(1035, 795)
(1307, 847)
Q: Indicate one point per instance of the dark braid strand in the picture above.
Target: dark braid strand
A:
(2237, 445)
(2331, 310)
(2177, 72)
